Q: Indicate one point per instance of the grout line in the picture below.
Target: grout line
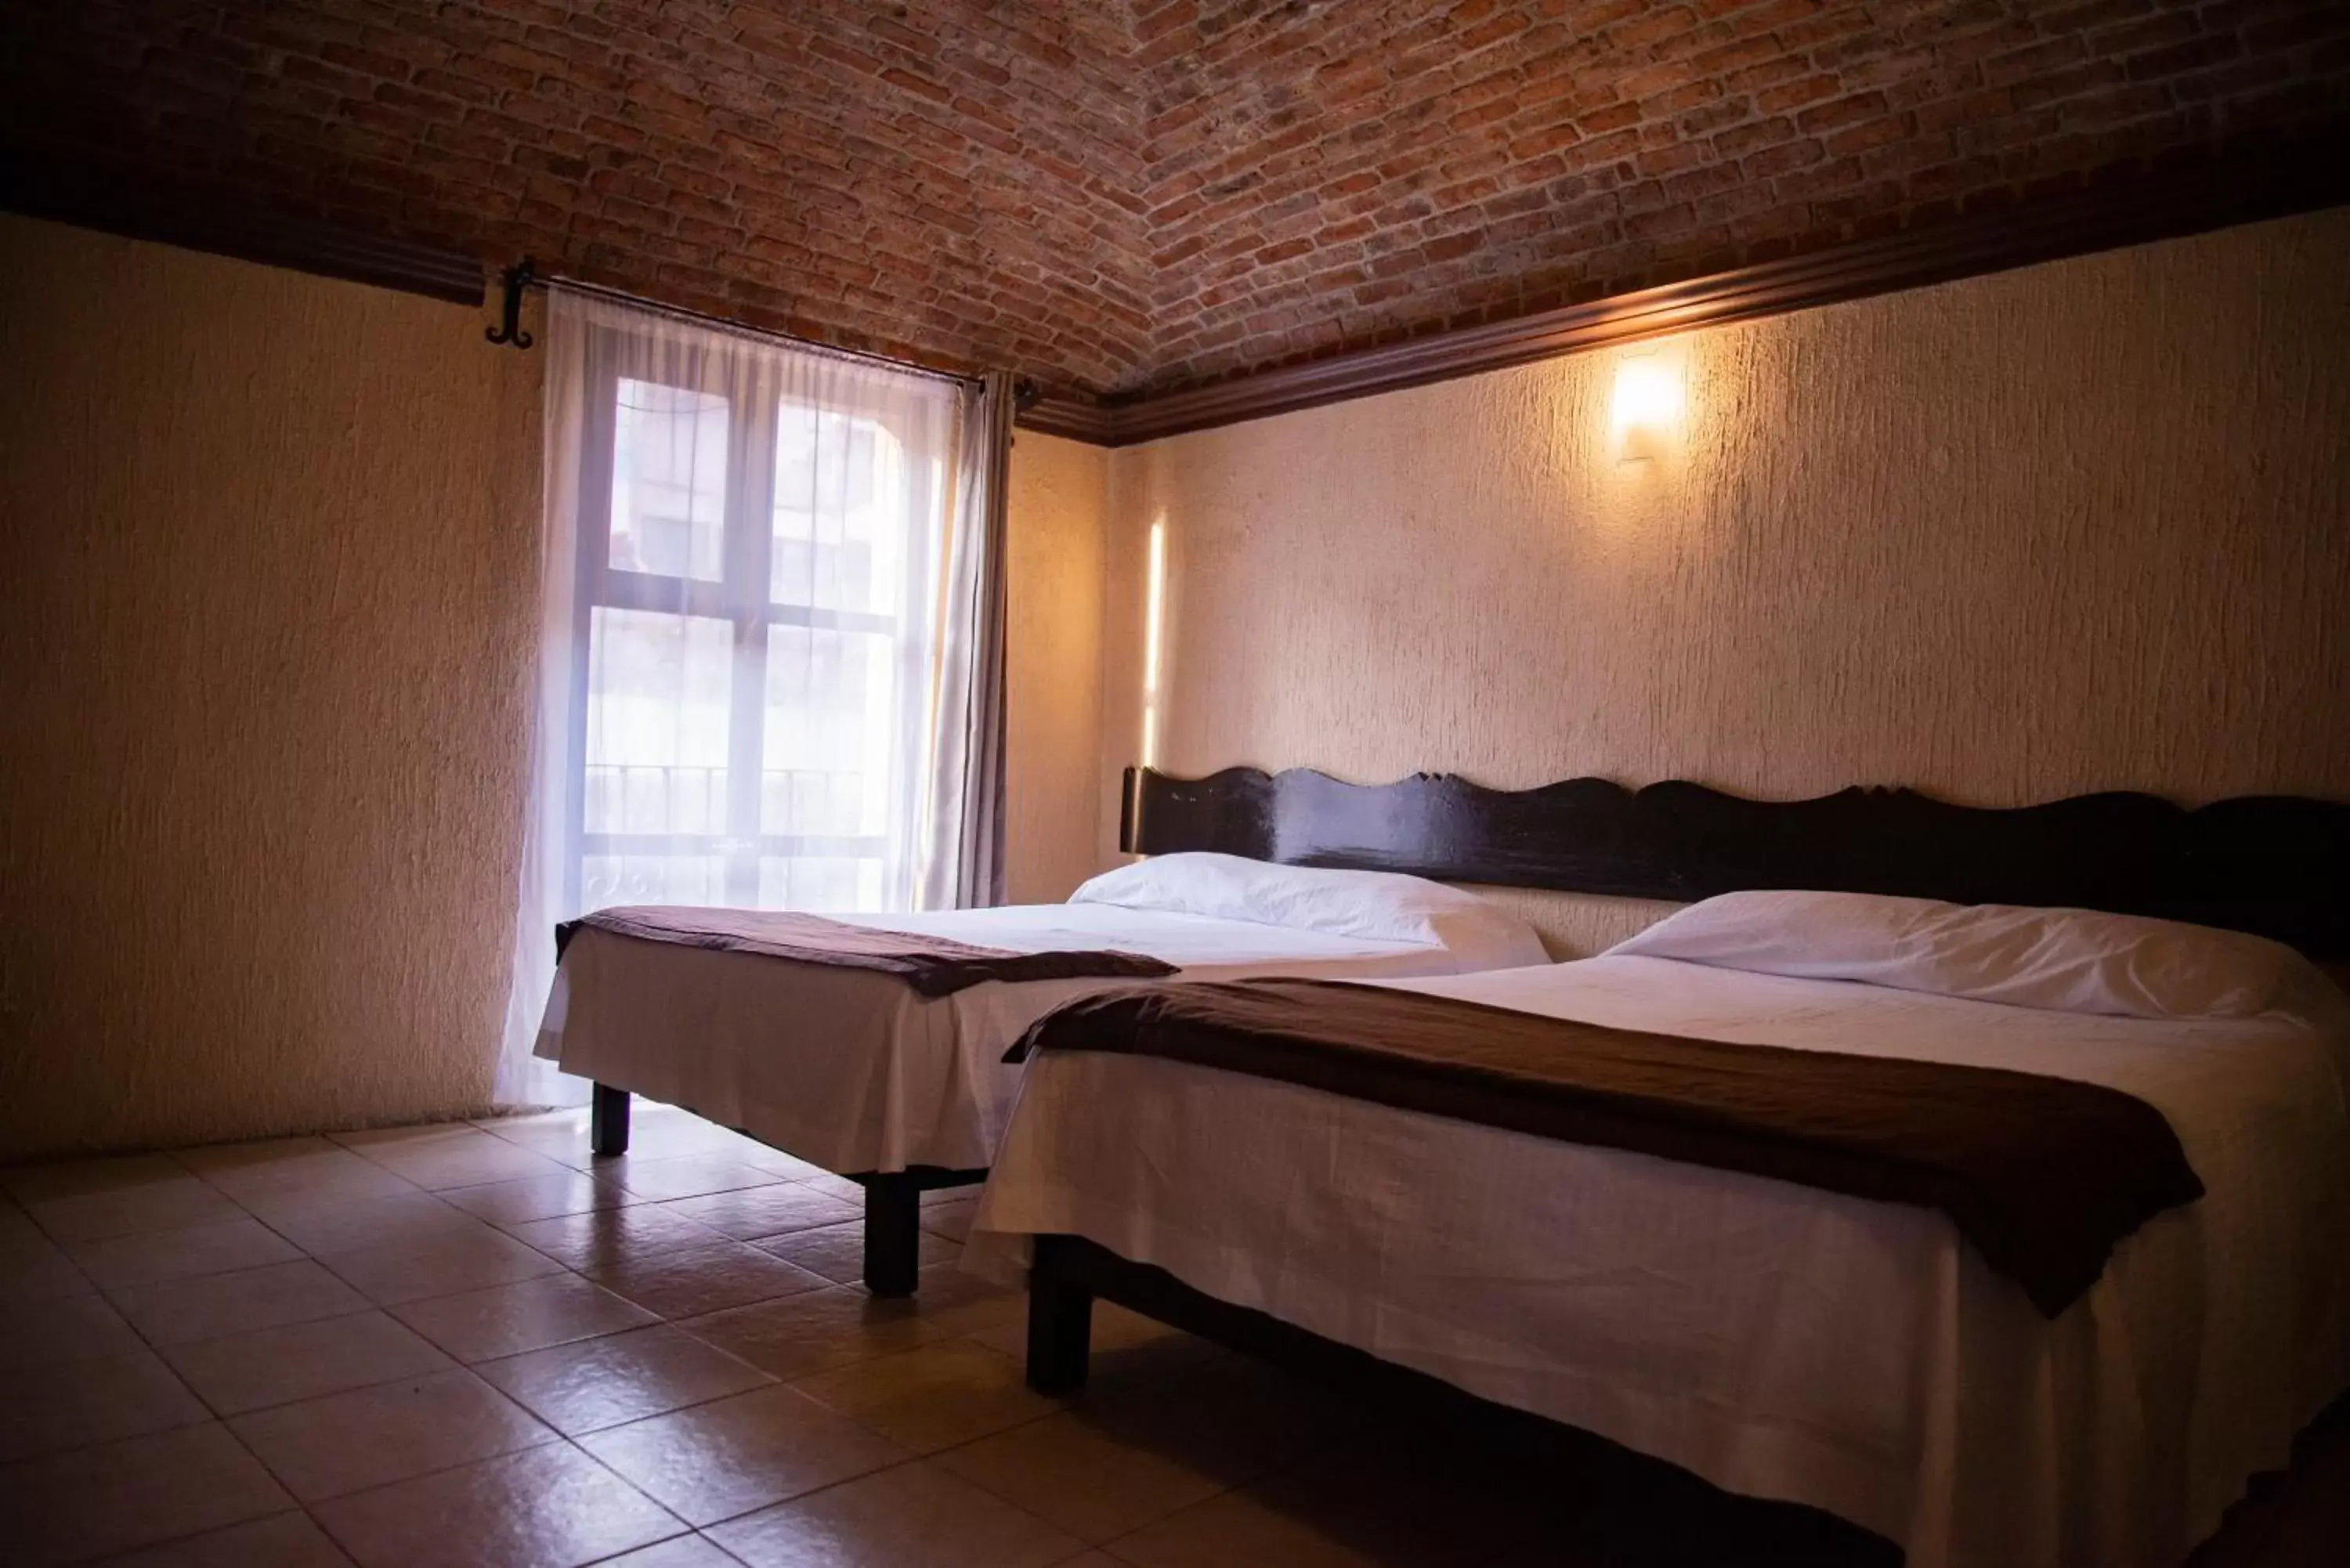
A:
(472, 1369)
(552, 1438)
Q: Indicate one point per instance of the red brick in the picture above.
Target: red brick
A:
(1111, 198)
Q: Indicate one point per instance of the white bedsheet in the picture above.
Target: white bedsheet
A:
(851, 1070)
(1778, 1341)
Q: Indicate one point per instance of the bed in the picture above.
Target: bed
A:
(1780, 1340)
(853, 1070)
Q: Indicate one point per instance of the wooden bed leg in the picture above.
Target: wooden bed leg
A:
(608, 1121)
(1060, 1321)
(893, 1234)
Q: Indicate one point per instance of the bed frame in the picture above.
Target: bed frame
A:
(2277, 866)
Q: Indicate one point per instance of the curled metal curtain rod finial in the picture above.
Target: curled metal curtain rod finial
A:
(519, 276)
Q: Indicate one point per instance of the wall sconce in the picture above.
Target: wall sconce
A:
(1153, 618)
(1647, 412)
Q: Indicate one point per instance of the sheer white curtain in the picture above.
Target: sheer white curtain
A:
(765, 669)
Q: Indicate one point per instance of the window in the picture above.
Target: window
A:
(770, 667)
(752, 569)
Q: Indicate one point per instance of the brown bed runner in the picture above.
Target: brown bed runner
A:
(2043, 1174)
(931, 966)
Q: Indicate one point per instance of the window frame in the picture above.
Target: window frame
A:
(741, 596)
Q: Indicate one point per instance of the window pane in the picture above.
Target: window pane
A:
(660, 690)
(840, 513)
(669, 481)
(826, 740)
(651, 879)
(820, 884)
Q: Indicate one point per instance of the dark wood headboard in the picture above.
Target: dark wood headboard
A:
(2277, 865)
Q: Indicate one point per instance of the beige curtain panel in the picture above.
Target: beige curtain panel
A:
(771, 660)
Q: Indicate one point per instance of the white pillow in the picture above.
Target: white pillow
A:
(2064, 961)
(1381, 905)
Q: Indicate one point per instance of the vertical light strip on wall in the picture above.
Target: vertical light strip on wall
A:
(1153, 614)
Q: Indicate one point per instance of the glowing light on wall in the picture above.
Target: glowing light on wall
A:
(1154, 616)
(1645, 415)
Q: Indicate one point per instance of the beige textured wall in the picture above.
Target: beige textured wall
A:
(270, 557)
(270, 546)
(270, 588)
(1058, 507)
(2085, 525)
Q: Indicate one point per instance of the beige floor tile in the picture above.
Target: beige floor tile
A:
(673, 1133)
(373, 1141)
(45, 1330)
(1221, 1414)
(166, 1203)
(282, 1541)
(655, 1132)
(442, 1266)
(1114, 1329)
(955, 1302)
(530, 1315)
(659, 1179)
(33, 1268)
(559, 1135)
(1410, 1486)
(71, 1178)
(222, 1163)
(960, 1192)
(837, 1251)
(466, 1157)
(758, 1211)
(241, 1372)
(604, 1236)
(295, 1171)
(601, 1383)
(693, 1280)
(1089, 1482)
(320, 1225)
(932, 1397)
(537, 1197)
(1235, 1528)
(112, 1497)
(62, 1405)
(369, 1437)
(951, 1218)
(549, 1507)
(839, 1186)
(679, 1552)
(915, 1514)
(791, 1167)
(727, 1457)
(216, 1249)
(180, 1312)
(802, 1334)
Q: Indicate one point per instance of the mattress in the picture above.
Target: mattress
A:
(1781, 1342)
(850, 1069)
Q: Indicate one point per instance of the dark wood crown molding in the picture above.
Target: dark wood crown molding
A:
(2191, 200)
(1078, 419)
(247, 234)
(2275, 864)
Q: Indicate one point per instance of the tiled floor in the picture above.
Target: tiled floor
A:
(473, 1345)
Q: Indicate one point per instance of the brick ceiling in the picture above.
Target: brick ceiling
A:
(1115, 197)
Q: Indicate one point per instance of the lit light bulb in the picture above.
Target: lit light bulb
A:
(1647, 407)
(1153, 614)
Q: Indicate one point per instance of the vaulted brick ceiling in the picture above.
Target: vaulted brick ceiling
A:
(1114, 196)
